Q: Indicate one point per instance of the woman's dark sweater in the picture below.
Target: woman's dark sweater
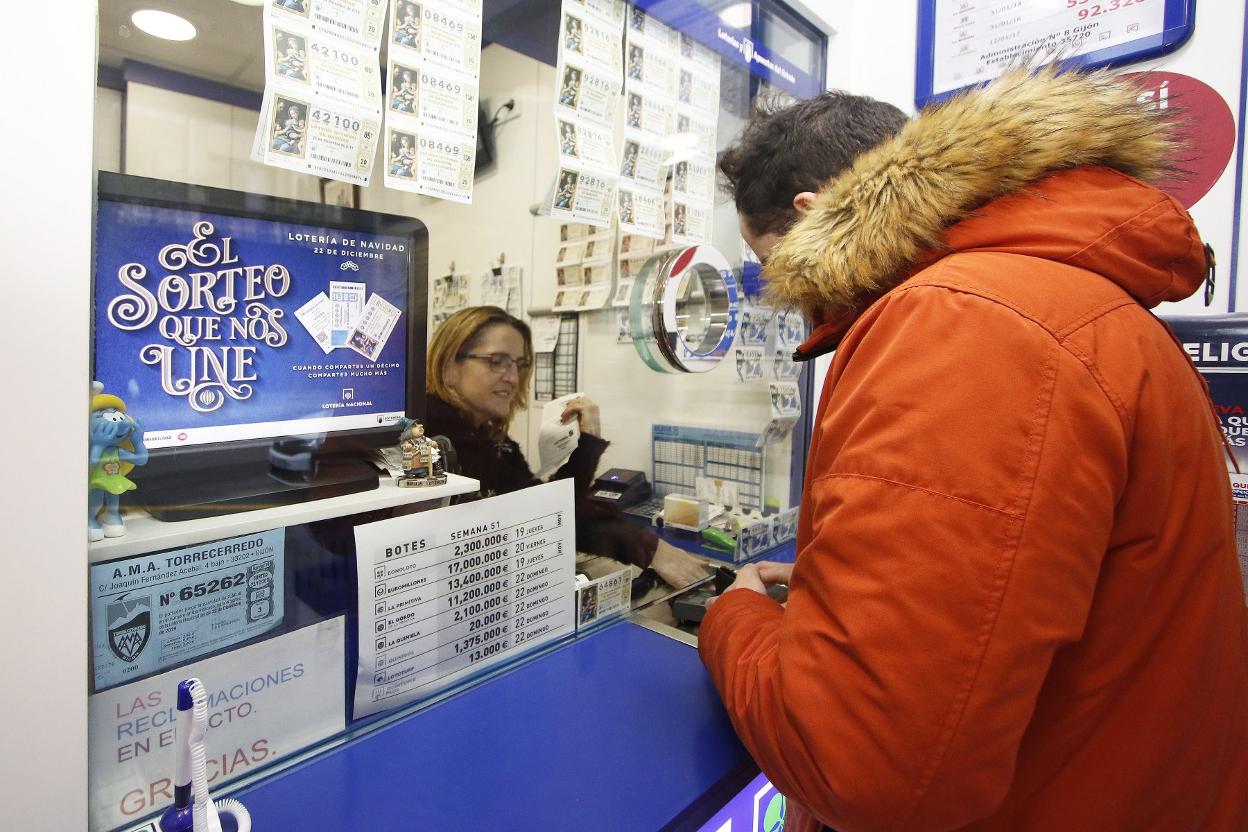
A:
(501, 468)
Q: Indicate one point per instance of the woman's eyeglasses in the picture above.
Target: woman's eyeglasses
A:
(501, 362)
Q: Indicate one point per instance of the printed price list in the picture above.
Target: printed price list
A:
(451, 592)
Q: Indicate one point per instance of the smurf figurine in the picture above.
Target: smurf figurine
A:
(116, 446)
(422, 458)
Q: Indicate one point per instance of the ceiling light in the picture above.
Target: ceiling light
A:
(163, 24)
(250, 2)
(737, 16)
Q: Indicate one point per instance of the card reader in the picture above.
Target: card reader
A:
(620, 487)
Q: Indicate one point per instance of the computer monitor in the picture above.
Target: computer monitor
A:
(229, 320)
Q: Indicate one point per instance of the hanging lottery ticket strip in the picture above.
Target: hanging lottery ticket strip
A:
(449, 593)
(584, 267)
(433, 97)
(650, 54)
(587, 92)
(322, 93)
(692, 199)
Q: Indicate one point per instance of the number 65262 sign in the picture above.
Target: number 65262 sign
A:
(962, 43)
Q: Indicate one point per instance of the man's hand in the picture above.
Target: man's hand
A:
(757, 577)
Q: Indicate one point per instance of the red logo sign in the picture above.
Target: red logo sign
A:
(181, 437)
(1206, 130)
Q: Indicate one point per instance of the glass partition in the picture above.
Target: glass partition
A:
(258, 588)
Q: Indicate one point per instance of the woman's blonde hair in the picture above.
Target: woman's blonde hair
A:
(459, 335)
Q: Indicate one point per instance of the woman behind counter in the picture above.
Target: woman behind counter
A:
(477, 370)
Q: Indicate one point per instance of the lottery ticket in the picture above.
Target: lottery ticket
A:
(697, 90)
(431, 96)
(653, 114)
(691, 222)
(695, 133)
(596, 274)
(694, 179)
(644, 161)
(566, 276)
(697, 55)
(430, 162)
(373, 329)
(588, 36)
(783, 367)
(777, 431)
(585, 144)
(583, 195)
(573, 231)
(355, 22)
(632, 245)
(749, 364)
(648, 68)
(314, 315)
(621, 297)
(610, 12)
(790, 328)
(643, 25)
(572, 252)
(585, 91)
(599, 249)
(440, 36)
(785, 400)
(316, 137)
(640, 211)
(346, 302)
(595, 297)
(755, 327)
(322, 67)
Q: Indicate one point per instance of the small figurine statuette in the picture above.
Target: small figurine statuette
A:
(422, 458)
(116, 446)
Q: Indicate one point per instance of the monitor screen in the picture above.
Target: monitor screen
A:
(222, 316)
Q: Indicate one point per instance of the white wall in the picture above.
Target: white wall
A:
(46, 248)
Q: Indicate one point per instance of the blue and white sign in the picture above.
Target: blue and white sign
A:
(731, 43)
(963, 43)
(157, 611)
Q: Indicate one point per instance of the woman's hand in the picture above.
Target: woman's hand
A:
(678, 567)
(586, 413)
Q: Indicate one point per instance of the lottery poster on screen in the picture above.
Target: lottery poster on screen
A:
(217, 328)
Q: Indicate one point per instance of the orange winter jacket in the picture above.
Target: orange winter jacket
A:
(1016, 603)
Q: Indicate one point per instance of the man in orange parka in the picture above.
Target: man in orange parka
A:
(1016, 603)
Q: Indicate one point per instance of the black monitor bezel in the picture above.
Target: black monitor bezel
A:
(140, 190)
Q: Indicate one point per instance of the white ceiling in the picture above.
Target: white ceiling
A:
(229, 47)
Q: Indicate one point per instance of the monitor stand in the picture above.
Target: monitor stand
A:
(189, 484)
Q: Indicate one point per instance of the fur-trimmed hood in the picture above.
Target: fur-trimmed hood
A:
(890, 213)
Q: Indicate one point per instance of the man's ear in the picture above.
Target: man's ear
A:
(803, 202)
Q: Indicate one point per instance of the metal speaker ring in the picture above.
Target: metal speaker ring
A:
(684, 310)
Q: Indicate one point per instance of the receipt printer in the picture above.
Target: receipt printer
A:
(620, 487)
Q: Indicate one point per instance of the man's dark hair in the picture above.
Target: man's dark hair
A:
(785, 150)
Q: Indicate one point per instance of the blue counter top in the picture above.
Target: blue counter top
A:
(619, 729)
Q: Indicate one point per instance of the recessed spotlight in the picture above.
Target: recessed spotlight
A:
(737, 15)
(163, 25)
